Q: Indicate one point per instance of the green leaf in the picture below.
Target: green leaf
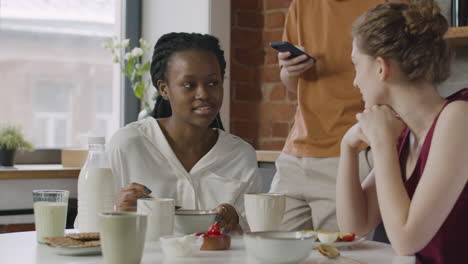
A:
(147, 66)
(142, 68)
(139, 90)
(12, 138)
(129, 69)
(133, 76)
(139, 70)
(147, 107)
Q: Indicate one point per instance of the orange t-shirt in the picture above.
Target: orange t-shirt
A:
(327, 99)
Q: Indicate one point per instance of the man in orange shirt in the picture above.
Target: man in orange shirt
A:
(327, 105)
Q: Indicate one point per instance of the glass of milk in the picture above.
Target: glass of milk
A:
(50, 213)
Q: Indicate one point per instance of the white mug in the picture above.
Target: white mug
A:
(264, 211)
(160, 213)
(122, 237)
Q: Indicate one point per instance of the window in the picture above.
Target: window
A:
(51, 113)
(58, 82)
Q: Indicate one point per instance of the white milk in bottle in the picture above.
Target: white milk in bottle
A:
(95, 187)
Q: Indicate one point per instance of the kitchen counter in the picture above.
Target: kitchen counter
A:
(57, 171)
(51, 171)
(267, 155)
(17, 184)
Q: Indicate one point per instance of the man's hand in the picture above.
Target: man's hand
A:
(295, 66)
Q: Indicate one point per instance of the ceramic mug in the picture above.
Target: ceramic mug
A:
(264, 211)
(160, 213)
(122, 237)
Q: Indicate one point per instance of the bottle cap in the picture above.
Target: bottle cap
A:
(97, 140)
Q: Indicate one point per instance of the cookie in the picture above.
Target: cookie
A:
(84, 236)
(70, 242)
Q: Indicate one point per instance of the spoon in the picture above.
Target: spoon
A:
(332, 252)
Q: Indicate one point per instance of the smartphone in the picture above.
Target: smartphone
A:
(284, 46)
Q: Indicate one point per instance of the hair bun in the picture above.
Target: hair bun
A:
(423, 19)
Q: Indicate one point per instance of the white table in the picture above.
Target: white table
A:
(22, 248)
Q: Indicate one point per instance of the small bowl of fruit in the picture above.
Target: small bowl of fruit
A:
(338, 239)
(193, 221)
(175, 246)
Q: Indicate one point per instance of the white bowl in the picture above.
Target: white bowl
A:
(327, 238)
(279, 247)
(193, 221)
(180, 246)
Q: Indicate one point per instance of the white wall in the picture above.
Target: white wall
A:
(201, 16)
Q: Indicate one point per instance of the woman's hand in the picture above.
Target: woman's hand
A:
(126, 199)
(380, 124)
(354, 137)
(227, 218)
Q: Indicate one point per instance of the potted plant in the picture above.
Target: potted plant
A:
(133, 65)
(11, 139)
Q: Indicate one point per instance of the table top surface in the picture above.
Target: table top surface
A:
(23, 248)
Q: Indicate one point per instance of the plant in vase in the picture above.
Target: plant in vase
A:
(11, 140)
(133, 66)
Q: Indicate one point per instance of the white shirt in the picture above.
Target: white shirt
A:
(140, 153)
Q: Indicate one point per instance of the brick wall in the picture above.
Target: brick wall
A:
(262, 111)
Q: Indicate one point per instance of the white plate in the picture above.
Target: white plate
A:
(76, 251)
(356, 241)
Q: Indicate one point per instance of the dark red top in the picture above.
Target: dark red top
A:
(450, 243)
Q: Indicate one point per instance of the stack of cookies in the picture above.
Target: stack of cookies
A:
(75, 240)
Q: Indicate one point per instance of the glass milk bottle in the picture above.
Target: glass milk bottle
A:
(95, 187)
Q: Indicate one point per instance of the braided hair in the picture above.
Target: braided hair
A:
(171, 43)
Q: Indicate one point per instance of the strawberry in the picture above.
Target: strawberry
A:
(349, 237)
(214, 229)
(213, 235)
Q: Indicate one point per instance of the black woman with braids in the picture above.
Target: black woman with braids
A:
(181, 151)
